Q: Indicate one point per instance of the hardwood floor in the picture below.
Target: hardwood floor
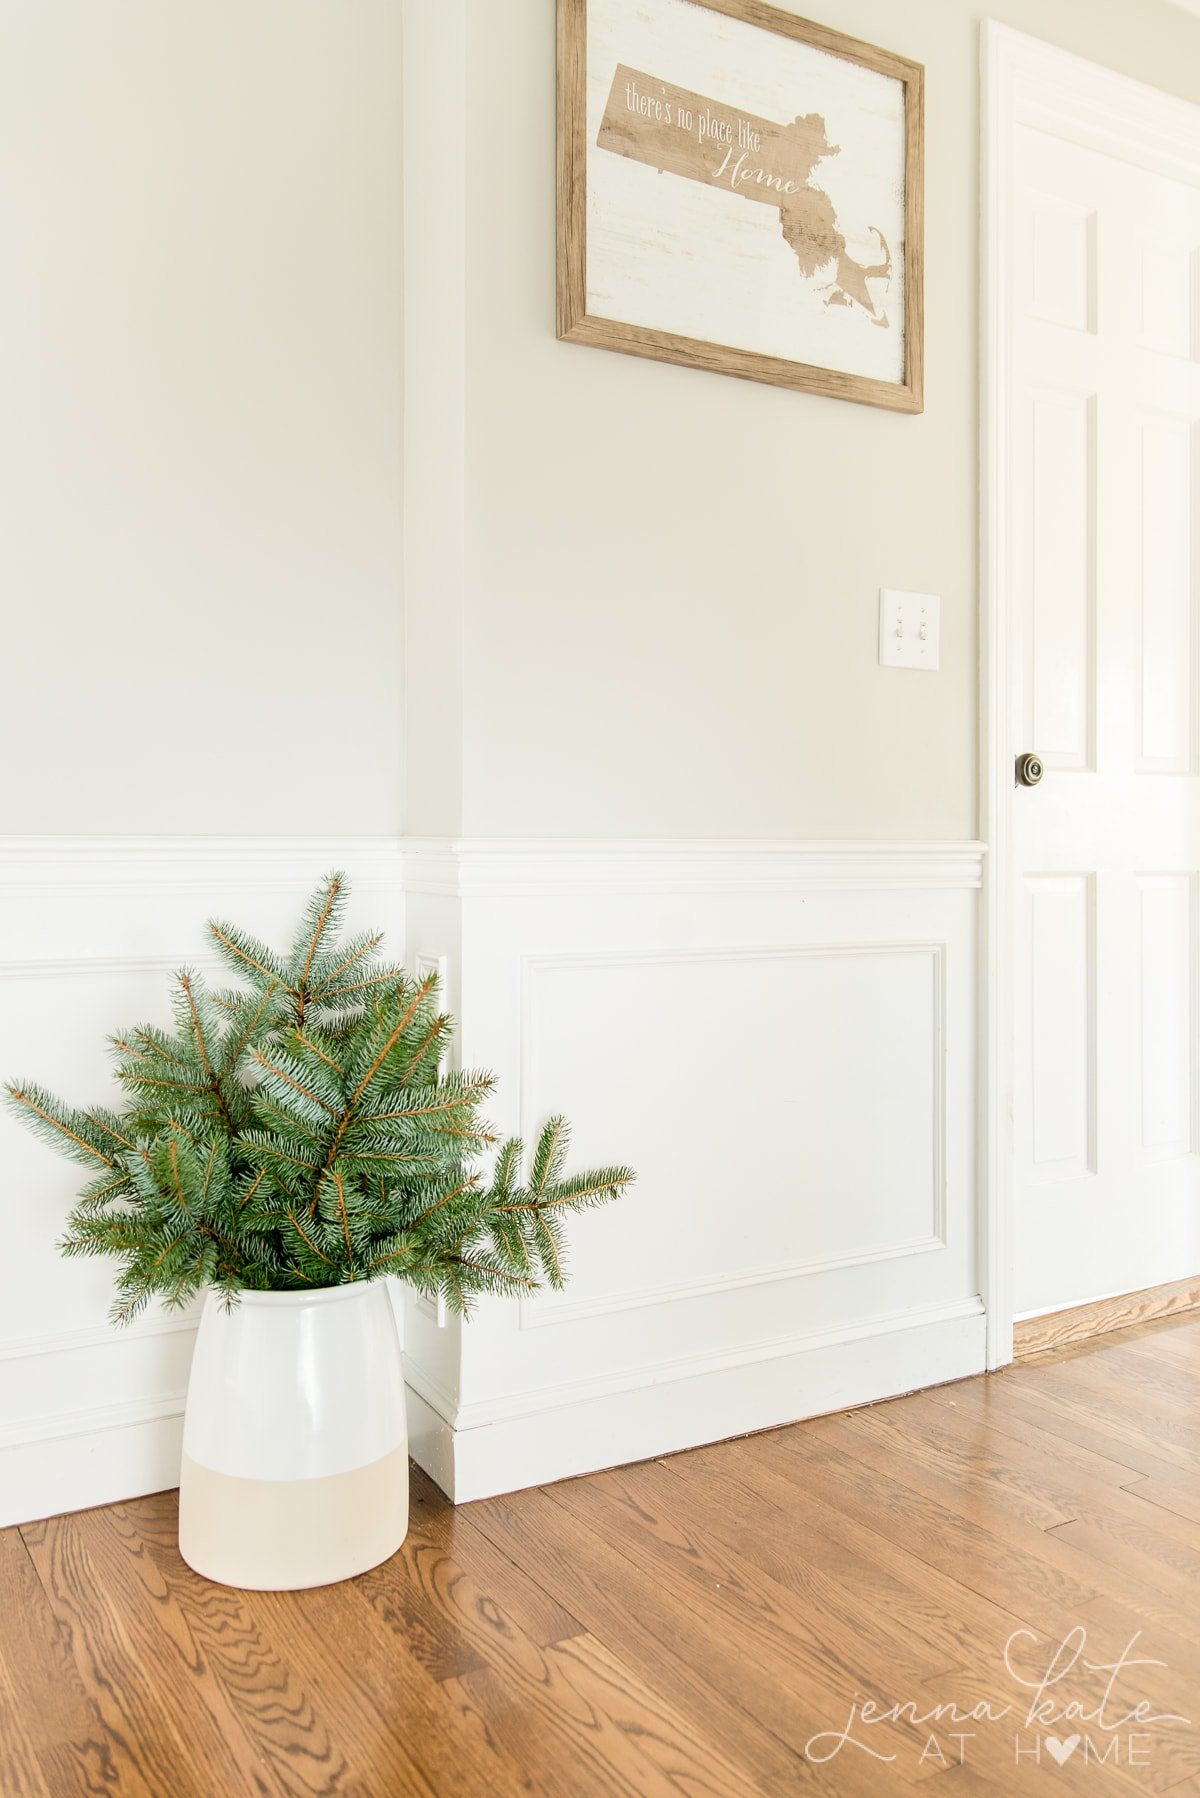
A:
(716, 1622)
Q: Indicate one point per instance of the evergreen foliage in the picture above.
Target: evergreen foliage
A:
(300, 1131)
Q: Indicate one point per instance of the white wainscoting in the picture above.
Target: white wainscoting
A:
(781, 1037)
(90, 930)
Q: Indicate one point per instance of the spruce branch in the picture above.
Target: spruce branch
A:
(187, 984)
(50, 1118)
(244, 952)
(301, 1132)
(323, 911)
(236, 1044)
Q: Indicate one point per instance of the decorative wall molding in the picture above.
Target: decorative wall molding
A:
(850, 964)
(479, 867)
(638, 1366)
(540, 1312)
(539, 1315)
(41, 866)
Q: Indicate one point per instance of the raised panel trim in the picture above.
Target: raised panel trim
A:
(1085, 216)
(535, 1314)
(1083, 402)
(1154, 420)
(1050, 1170)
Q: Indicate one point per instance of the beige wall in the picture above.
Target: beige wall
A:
(670, 586)
(199, 415)
(642, 600)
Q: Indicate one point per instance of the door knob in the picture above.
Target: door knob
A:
(1030, 769)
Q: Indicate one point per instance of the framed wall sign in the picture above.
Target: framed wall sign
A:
(741, 190)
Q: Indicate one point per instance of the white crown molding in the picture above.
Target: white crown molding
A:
(482, 867)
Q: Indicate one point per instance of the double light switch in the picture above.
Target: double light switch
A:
(908, 629)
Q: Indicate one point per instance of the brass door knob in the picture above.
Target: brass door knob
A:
(1030, 769)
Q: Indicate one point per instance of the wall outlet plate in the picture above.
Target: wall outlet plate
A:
(909, 629)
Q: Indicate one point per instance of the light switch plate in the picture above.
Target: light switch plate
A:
(909, 635)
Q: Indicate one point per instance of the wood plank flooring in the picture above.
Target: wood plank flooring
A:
(1007, 1569)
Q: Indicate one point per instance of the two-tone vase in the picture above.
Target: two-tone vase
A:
(295, 1450)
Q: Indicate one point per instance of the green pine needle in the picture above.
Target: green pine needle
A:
(299, 1131)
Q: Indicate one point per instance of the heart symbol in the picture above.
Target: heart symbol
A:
(1062, 1751)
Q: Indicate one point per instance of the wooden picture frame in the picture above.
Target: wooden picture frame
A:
(658, 253)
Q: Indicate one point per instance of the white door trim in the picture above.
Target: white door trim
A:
(1026, 82)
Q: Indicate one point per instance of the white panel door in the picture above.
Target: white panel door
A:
(1107, 847)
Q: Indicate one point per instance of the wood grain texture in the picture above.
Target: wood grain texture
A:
(576, 325)
(687, 1626)
(1078, 1323)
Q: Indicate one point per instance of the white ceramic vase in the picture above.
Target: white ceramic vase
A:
(295, 1451)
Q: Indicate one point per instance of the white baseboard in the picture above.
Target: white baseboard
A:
(431, 1441)
(667, 1415)
(106, 1454)
(93, 1457)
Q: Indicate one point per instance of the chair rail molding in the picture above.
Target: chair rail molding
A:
(37, 866)
(483, 867)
